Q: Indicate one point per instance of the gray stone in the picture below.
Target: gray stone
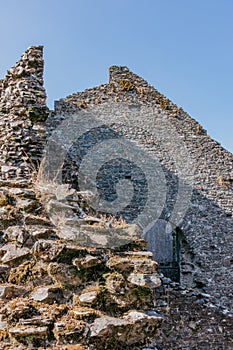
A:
(111, 327)
(41, 232)
(63, 191)
(87, 298)
(104, 325)
(20, 235)
(26, 204)
(12, 256)
(48, 294)
(143, 280)
(97, 236)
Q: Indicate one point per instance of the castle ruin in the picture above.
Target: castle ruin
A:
(168, 286)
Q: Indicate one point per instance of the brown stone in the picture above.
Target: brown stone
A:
(29, 334)
(4, 273)
(69, 330)
(47, 250)
(31, 272)
(16, 309)
(3, 200)
(138, 262)
(8, 291)
(83, 313)
(64, 274)
(36, 220)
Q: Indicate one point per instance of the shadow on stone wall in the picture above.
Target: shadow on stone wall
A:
(196, 253)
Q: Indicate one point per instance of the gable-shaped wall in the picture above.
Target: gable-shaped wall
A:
(207, 226)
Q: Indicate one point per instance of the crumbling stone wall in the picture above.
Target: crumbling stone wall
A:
(206, 256)
(23, 111)
(57, 294)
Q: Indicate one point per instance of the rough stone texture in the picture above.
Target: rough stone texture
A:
(10, 291)
(205, 233)
(23, 112)
(65, 310)
(127, 331)
(192, 320)
(58, 294)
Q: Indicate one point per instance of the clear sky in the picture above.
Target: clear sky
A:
(184, 48)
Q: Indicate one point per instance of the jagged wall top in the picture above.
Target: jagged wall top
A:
(22, 113)
(207, 228)
(208, 222)
(22, 135)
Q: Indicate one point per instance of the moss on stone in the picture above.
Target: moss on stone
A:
(126, 85)
(163, 103)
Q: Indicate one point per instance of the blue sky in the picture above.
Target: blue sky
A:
(183, 48)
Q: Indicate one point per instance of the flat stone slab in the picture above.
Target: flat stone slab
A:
(97, 236)
(12, 255)
(127, 330)
(24, 331)
(144, 280)
(88, 297)
(50, 294)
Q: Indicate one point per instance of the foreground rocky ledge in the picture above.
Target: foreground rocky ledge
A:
(55, 292)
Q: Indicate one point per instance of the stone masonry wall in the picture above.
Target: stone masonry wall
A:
(206, 256)
(57, 294)
(54, 292)
(23, 111)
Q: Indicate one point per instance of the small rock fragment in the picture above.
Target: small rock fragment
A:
(49, 294)
(47, 250)
(87, 262)
(87, 298)
(69, 330)
(144, 280)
